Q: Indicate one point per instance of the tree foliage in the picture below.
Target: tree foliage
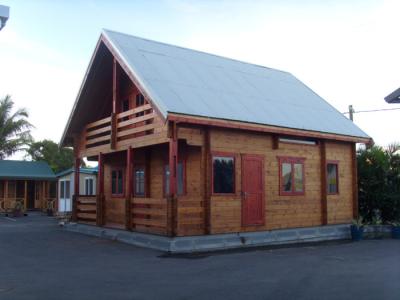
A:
(58, 159)
(379, 183)
(14, 128)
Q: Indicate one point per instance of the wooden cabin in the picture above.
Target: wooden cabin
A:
(87, 187)
(190, 143)
(30, 185)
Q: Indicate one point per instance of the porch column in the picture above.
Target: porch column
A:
(75, 198)
(206, 180)
(5, 195)
(173, 166)
(128, 195)
(26, 197)
(115, 98)
(354, 180)
(100, 191)
(324, 196)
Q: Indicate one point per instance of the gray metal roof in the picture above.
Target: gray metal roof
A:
(190, 82)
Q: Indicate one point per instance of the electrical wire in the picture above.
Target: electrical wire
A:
(372, 110)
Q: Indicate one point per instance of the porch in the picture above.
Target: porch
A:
(27, 195)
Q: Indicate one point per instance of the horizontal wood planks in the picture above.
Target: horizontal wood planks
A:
(86, 209)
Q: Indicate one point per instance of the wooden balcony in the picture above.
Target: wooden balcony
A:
(136, 127)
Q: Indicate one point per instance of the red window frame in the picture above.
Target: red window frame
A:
(292, 161)
(135, 167)
(223, 154)
(123, 182)
(180, 161)
(336, 163)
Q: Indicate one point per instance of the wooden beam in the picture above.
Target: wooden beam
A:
(206, 179)
(115, 83)
(75, 198)
(173, 166)
(128, 195)
(354, 181)
(100, 191)
(275, 142)
(263, 128)
(147, 173)
(26, 196)
(324, 196)
(113, 136)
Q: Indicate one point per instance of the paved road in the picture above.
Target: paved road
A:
(41, 261)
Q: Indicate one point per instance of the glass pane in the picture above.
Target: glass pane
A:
(114, 182)
(224, 175)
(286, 177)
(332, 178)
(298, 177)
(139, 182)
(62, 189)
(180, 179)
(67, 189)
(120, 182)
(166, 178)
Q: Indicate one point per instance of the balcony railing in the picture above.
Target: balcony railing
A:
(119, 129)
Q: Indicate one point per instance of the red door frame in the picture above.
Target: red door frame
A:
(260, 158)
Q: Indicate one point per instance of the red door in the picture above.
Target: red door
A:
(252, 190)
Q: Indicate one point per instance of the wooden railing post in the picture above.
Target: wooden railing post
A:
(74, 216)
(206, 180)
(128, 196)
(324, 196)
(173, 167)
(113, 137)
(100, 191)
(354, 181)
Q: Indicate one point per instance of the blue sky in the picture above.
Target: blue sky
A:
(346, 51)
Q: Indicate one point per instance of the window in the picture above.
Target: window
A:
(223, 174)
(291, 176)
(332, 178)
(139, 182)
(117, 186)
(139, 102)
(65, 189)
(180, 174)
(89, 186)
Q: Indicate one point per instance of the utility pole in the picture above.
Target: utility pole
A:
(351, 112)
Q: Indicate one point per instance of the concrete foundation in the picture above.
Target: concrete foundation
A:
(205, 243)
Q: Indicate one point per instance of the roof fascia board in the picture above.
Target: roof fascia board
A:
(181, 118)
(132, 74)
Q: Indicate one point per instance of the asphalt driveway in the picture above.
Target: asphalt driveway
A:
(39, 260)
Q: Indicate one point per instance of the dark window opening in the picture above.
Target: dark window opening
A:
(139, 182)
(223, 175)
(117, 186)
(332, 178)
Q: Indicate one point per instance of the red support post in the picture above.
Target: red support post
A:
(75, 198)
(173, 167)
(100, 190)
(128, 195)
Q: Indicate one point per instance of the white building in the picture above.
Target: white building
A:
(87, 186)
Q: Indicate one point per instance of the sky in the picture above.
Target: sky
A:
(348, 52)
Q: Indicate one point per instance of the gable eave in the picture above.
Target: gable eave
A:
(132, 74)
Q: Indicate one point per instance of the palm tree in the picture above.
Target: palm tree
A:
(14, 128)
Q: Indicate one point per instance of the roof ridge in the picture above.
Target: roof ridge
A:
(195, 50)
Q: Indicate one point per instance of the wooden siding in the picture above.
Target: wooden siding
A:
(281, 211)
(340, 206)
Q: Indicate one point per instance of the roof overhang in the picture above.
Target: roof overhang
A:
(393, 97)
(198, 120)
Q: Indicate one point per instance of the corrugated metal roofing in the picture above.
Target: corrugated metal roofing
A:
(33, 170)
(81, 170)
(190, 82)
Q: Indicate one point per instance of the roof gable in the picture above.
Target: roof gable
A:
(34, 170)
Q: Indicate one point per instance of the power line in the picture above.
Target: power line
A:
(372, 110)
